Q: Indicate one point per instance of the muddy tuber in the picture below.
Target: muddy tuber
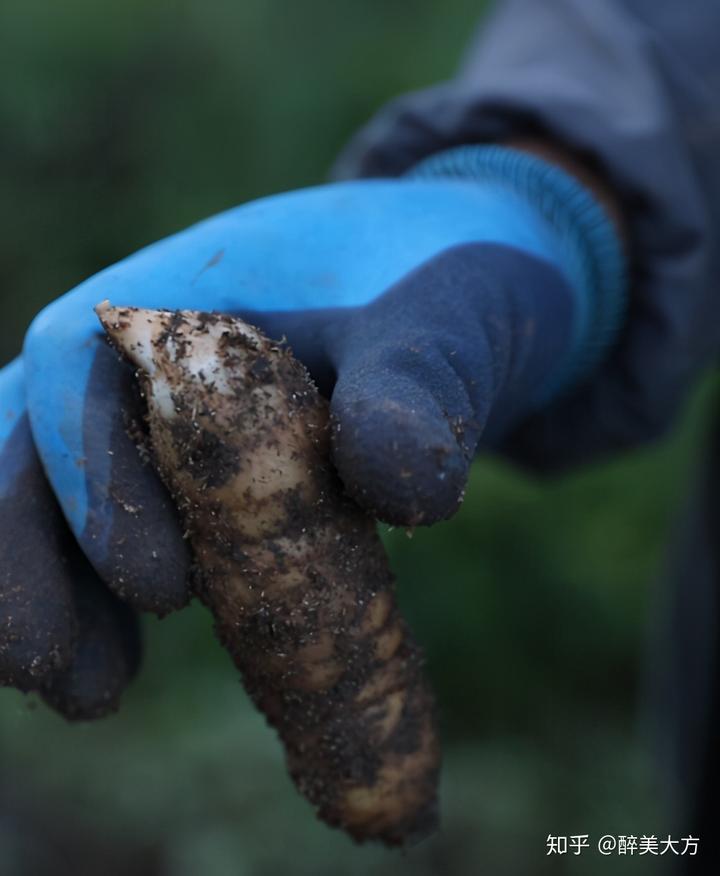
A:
(292, 570)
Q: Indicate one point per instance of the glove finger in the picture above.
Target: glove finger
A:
(61, 632)
(123, 517)
(133, 533)
(404, 413)
(37, 615)
(107, 651)
(394, 444)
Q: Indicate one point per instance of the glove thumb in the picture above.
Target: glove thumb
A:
(401, 443)
(459, 348)
(405, 416)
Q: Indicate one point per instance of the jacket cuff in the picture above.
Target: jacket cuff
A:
(593, 259)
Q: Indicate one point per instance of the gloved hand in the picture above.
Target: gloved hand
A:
(435, 310)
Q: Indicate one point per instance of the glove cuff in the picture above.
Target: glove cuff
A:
(593, 259)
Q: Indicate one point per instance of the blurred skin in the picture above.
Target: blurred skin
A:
(583, 169)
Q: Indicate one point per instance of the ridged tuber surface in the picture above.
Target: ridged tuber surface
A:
(292, 570)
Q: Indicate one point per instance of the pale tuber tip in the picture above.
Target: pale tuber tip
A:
(131, 330)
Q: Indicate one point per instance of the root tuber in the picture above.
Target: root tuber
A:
(292, 570)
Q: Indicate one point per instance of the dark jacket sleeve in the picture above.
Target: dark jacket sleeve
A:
(634, 85)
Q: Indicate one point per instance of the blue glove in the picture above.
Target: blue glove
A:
(436, 311)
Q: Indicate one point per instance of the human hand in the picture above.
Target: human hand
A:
(435, 312)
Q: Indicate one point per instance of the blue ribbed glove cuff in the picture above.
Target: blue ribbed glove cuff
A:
(593, 258)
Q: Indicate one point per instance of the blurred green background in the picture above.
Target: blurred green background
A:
(124, 121)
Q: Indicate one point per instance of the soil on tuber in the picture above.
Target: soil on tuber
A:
(293, 571)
